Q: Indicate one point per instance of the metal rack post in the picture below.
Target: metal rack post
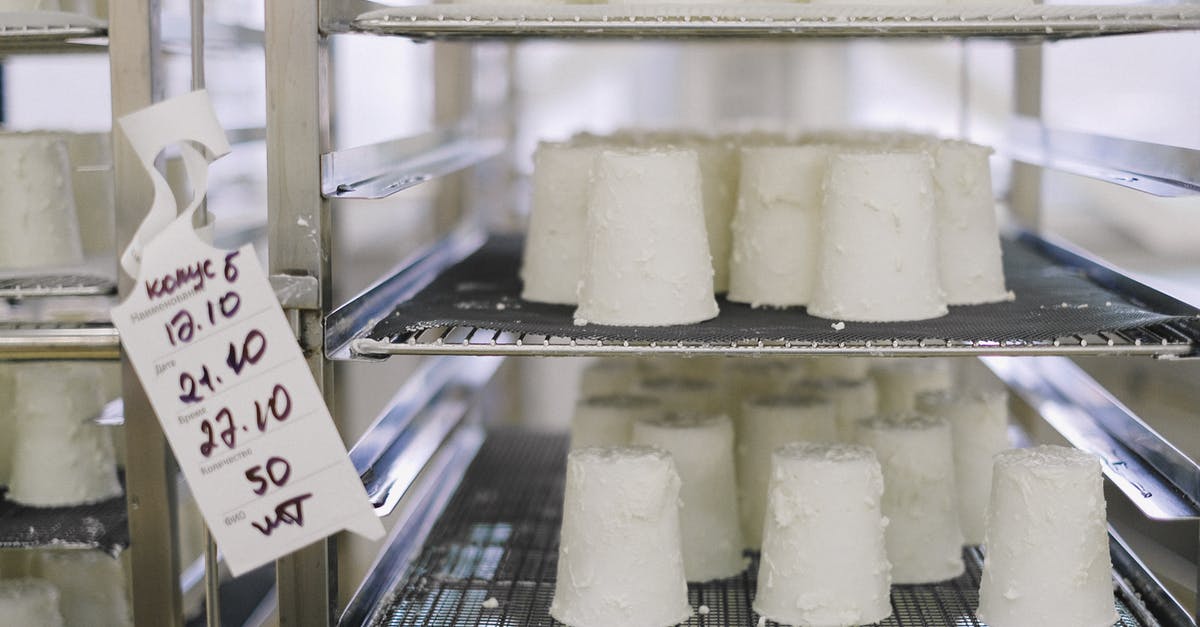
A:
(299, 236)
(149, 474)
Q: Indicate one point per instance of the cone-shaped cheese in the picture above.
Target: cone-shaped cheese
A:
(702, 447)
(91, 587)
(743, 379)
(968, 238)
(620, 559)
(611, 375)
(766, 423)
(823, 556)
(63, 457)
(878, 259)
(1047, 542)
(776, 226)
(608, 420)
(646, 261)
(557, 236)
(852, 401)
(29, 603)
(899, 381)
(708, 368)
(90, 157)
(979, 424)
(924, 541)
(37, 204)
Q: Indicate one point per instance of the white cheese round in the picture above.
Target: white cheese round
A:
(620, 558)
(29, 603)
(823, 555)
(608, 420)
(979, 425)
(968, 238)
(900, 380)
(878, 256)
(647, 261)
(924, 541)
(1047, 542)
(37, 204)
(702, 447)
(852, 401)
(91, 587)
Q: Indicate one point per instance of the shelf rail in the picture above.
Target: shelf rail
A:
(1156, 169)
(1157, 478)
(44, 341)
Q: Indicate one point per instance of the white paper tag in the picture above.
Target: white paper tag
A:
(225, 375)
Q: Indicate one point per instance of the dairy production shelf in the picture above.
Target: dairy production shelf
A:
(50, 32)
(463, 297)
(780, 20)
(102, 526)
(52, 340)
(498, 538)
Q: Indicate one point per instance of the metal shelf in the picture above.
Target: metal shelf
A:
(44, 285)
(50, 32)
(781, 21)
(498, 537)
(102, 526)
(46, 340)
(462, 297)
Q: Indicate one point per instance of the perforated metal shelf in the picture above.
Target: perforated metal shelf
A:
(464, 298)
(42, 285)
(779, 20)
(102, 526)
(498, 537)
(50, 31)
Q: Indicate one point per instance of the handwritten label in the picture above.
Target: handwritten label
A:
(227, 379)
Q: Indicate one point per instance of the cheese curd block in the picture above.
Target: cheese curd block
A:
(557, 238)
(29, 603)
(846, 368)
(1047, 542)
(681, 394)
(647, 261)
(37, 204)
(608, 420)
(878, 257)
(8, 421)
(91, 587)
(852, 401)
(924, 540)
(90, 159)
(972, 271)
(620, 557)
(776, 226)
(613, 375)
(63, 457)
(823, 556)
(979, 425)
(766, 423)
(900, 380)
(702, 447)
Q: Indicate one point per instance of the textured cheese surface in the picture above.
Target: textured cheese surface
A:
(29, 603)
(37, 204)
(620, 560)
(979, 424)
(878, 257)
(702, 448)
(924, 540)
(647, 261)
(853, 400)
(608, 420)
(765, 424)
(62, 457)
(1047, 542)
(91, 587)
(824, 560)
(900, 380)
(776, 225)
(968, 238)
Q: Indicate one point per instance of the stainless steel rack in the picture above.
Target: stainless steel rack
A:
(498, 538)
(102, 526)
(462, 297)
(44, 285)
(55, 340)
(50, 32)
(781, 20)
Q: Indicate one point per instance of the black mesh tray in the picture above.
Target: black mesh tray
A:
(103, 526)
(475, 306)
(498, 538)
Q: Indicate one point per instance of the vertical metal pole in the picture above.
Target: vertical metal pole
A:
(1025, 195)
(212, 582)
(299, 236)
(150, 471)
